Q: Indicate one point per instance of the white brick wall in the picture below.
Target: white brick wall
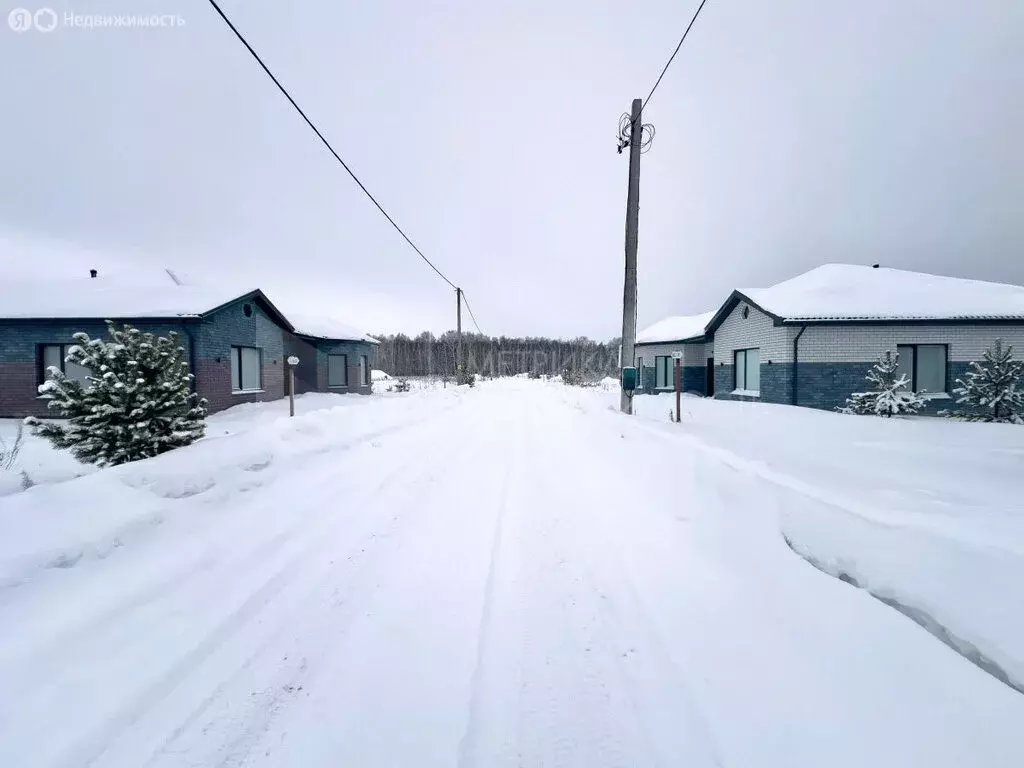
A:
(864, 343)
(757, 330)
(693, 354)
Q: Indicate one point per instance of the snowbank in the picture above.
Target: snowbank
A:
(38, 463)
(924, 512)
(246, 447)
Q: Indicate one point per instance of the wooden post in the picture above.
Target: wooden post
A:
(291, 362)
(679, 385)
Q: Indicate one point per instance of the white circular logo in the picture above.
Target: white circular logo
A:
(20, 19)
(45, 19)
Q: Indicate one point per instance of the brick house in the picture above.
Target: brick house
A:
(811, 340)
(333, 357)
(656, 345)
(236, 344)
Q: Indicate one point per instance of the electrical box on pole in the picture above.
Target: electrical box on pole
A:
(629, 378)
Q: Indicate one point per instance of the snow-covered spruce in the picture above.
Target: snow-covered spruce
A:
(136, 402)
(889, 396)
(993, 389)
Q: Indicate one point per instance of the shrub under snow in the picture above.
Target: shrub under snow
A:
(993, 389)
(889, 396)
(136, 402)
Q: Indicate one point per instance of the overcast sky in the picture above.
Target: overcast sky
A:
(789, 133)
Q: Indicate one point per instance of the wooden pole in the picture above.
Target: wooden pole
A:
(679, 386)
(291, 390)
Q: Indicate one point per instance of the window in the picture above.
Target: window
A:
(246, 369)
(364, 370)
(337, 370)
(924, 365)
(639, 373)
(748, 370)
(52, 355)
(663, 372)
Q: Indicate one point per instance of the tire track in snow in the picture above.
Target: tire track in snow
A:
(643, 665)
(317, 627)
(94, 747)
(275, 577)
(467, 745)
(207, 561)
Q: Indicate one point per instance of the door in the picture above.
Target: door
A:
(709, 385)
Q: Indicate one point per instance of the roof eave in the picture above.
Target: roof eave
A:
(317, 337)
(962, 320)
(689, 340)
(190, 318)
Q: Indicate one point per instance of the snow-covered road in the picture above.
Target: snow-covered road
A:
(511, 576)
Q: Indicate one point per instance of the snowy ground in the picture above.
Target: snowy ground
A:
(517, 575)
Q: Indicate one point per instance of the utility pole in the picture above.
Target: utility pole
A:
(632, 223)
(458, 336)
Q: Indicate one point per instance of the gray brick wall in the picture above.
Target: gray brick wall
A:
(695, 378)
(229, 327)
(21, 367)
(724, 381)
(777, 383)
(827, 385)
(353, 350)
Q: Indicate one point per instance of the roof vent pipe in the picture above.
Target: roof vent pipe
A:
(875, 266)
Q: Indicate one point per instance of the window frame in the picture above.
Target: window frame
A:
(640, 372)
(236, 359)
(669, 363)
(737, 368)
(344, 356)
(914, 366)
(42, 367)
(364, 363)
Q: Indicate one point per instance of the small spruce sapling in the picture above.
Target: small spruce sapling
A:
(135, 403)
(993, 390)
(889, 396)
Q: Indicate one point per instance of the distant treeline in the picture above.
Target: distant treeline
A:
(426, 355)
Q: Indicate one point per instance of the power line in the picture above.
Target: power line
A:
(670, 58)
(327, 143)
(470, 310)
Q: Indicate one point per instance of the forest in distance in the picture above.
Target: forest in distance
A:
(430, 355)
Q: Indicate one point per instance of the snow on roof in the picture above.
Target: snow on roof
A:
(322, 327)
(855, 292)
(115, 299)
(108, 299)
(675, 328)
